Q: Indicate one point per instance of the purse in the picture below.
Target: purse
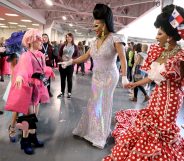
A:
(137, 75)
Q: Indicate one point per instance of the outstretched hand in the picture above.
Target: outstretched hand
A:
(130, 85)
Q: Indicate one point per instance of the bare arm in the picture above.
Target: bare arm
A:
(121, 53)
(82, 58)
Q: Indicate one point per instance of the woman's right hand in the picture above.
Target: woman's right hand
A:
(18, 82)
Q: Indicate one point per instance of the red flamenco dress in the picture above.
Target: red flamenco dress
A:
(151, 134)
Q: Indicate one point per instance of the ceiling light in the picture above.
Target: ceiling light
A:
(26, 20)
(12, 27)
(22, 25)
(75, 30)
(1, 19)
(35, 24)
(13, 23)
(11, 14)
(4, 26)
(49, 2)
(30, 28)
(64, 17)
(70, 24)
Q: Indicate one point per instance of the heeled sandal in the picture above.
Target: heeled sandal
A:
(12, 134)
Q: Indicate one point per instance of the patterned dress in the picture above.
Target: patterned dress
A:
(95, 122)
(151, 134)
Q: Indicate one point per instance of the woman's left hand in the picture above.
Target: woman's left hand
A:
(130, 85)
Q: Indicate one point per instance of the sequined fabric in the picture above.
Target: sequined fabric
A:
(95, 122)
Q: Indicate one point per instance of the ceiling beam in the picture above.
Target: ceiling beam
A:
(131, 4)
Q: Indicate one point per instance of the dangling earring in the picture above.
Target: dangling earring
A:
(166, 45)
(102, 34)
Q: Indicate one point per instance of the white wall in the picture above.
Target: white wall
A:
(143, 27)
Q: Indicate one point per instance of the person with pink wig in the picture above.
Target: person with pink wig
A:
(29, 89)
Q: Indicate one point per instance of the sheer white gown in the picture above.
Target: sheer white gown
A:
(95, 122)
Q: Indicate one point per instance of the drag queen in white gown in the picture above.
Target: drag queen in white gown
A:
(94, 125)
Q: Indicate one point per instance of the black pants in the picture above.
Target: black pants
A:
(82, 67)
(129, 73)
(91, 67)
(55, 60)
(136, 91)
(66, 73)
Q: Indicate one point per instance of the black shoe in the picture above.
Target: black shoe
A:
(34, 140)
(69, 95)
(25, 145)
(1, 112)
(60, 95)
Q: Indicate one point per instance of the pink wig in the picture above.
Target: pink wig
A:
(31, 36)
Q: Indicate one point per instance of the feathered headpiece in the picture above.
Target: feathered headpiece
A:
(14, 43)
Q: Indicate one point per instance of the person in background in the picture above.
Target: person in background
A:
(2, 63)
(151, 133)
(137, 74)
(13, 59)
(47, 50)
(81, 51)
(14, 50)
(67, 52)
(95, 122)
(2, 50)
(55, 52)
(130, 60)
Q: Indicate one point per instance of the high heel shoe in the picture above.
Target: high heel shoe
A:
(12, 134)
(146, 98)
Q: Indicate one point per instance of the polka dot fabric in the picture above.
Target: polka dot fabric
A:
(151, 134)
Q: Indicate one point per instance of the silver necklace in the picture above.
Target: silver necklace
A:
(168, 54)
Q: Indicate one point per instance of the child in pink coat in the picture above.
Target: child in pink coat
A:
(29, 89)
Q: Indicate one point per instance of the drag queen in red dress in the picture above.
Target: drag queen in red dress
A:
(151, 134)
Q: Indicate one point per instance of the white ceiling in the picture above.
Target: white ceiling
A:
(8, 20)
(79, 12)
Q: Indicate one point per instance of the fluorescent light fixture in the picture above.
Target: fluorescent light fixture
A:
(1, 19)
(49, 2)
(22, 25)
(64, 17)
(4, 26)
(13, 23)
(30, 28)
(70, 24)
(35, 24)
(12, 27)
(26, 20)
(11, 14)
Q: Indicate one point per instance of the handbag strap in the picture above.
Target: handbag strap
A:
(38, 61)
